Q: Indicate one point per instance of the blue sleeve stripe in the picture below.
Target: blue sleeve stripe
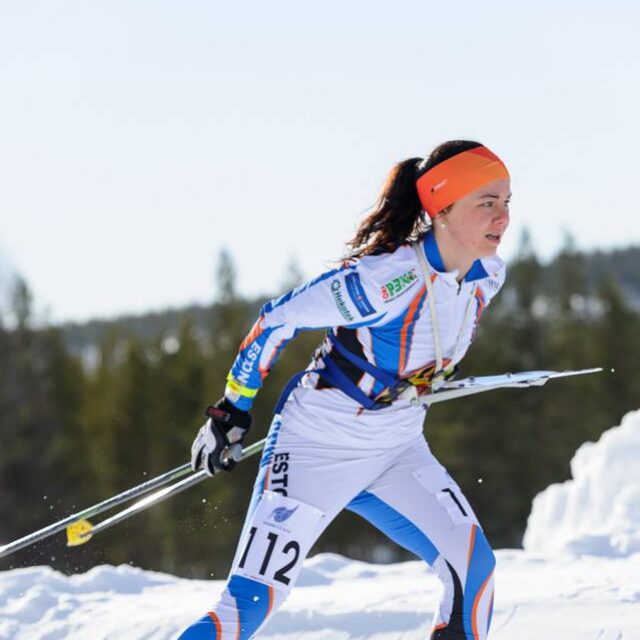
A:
(270, 306)
(245, 368)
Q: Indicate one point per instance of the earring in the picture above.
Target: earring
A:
(443, 224)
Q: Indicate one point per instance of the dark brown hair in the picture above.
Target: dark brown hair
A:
(397, 216)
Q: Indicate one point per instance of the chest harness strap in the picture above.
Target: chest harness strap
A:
(394, 387)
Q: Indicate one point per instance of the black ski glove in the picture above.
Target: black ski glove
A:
(218, 445)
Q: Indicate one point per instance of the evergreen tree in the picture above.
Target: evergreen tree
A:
(22, 304)
(181, 400)
(617, 348)
(80, 434)
(40, 391)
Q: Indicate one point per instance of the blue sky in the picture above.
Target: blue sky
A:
(138, 138)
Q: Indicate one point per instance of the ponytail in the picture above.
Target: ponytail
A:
(397, 216)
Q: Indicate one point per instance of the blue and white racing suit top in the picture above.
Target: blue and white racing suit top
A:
(376, 307)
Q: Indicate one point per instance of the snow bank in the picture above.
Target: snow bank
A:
(598, 511)
(596, 514)
(336, 599)
(39, 602)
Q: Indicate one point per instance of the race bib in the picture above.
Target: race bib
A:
(277, 540)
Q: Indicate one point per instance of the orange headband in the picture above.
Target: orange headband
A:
(457, 177)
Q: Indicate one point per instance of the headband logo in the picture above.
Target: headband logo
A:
(439, 185)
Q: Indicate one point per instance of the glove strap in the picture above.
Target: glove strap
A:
(217, 414)
(228, 418)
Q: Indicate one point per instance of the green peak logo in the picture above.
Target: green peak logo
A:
(399, 285)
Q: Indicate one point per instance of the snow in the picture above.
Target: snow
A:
(598, 510)
(577, 579)
(336, 599)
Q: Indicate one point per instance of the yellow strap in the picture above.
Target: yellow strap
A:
(238, 389)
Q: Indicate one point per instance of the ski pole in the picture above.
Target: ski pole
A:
(82, 531)
(449, 391)
(480, 384)
(97, 508)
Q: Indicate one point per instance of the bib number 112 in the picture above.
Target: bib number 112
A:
(278, 538)
(280, 574)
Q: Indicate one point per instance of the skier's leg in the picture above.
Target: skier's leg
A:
(300, 488)
(419, 506)
(280, 533)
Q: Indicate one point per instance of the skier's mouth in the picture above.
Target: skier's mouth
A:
(493, 237)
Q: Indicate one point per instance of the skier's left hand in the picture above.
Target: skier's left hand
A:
(218, 445)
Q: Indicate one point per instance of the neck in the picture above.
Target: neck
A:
(453, 256)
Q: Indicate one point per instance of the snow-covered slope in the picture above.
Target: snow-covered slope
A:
(579, 578)
(337, 599)
(598, 510)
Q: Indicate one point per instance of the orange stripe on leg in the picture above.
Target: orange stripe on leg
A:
(474, 611)
(270, 589)
(472, 542)
(218, 625)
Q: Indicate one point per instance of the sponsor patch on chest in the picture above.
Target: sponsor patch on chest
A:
(396, 287)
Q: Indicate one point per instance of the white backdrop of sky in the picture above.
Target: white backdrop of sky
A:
(138, 138)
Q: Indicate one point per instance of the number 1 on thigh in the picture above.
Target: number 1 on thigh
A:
(273, 538)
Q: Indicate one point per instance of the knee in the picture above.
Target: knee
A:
(242, 609)
(476, 559)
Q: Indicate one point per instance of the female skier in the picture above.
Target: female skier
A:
(400, 313)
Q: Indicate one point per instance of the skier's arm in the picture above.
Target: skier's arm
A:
(349, 296)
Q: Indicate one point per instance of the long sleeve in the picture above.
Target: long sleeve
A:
(349, 296)
(383, 299)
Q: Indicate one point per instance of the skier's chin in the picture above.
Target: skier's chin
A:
(488, 251)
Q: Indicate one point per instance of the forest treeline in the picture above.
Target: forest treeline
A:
(75, 430)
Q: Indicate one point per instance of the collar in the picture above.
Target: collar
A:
(431, 250)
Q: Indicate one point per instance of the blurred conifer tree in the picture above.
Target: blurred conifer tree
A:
(79, 434)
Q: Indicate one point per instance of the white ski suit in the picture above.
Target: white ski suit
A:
(332, 445)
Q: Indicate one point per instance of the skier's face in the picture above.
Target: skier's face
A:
(478, 221)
